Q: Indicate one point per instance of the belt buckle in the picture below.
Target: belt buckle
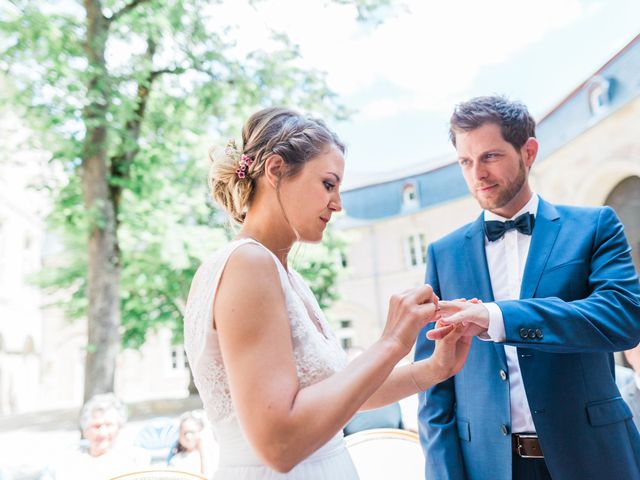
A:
(527, 436)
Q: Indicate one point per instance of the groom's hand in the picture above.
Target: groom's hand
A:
(472, 315)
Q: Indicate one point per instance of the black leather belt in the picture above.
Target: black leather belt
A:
(526, 445)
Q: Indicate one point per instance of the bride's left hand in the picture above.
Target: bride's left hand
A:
(451, 349)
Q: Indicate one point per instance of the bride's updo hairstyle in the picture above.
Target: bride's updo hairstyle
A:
(280, 131)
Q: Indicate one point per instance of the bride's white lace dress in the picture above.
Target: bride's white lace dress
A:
(317, 354)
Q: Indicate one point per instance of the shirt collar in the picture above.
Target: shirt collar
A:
(530, 207)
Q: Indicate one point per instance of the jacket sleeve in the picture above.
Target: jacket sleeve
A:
(607, 320)
(436, 409)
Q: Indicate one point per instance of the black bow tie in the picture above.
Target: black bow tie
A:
(495, 230)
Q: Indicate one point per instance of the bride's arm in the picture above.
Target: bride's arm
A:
(283, 422)
(448, 358)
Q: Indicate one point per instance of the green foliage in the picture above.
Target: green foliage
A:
(171, 87)
(370, 11)
(318, 264)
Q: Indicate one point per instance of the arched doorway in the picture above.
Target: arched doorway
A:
(625, 200)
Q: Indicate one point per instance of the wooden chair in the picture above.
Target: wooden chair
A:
(160, 474)
(384, 453)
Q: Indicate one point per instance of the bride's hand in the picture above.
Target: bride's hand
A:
(470, 314)
(408, 313)
(451, 350)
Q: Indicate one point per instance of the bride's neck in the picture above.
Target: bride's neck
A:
(277, 238)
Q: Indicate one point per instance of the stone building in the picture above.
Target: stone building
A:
(21, 243)
(590, 155)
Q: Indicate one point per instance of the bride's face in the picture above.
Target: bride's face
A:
(311, 197)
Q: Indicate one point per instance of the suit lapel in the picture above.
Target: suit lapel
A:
(476, 257)
(544, 237)
(477, 260)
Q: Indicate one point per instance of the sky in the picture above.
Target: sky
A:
(403, 77)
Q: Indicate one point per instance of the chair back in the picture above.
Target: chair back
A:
(160, 474)
(157, 436)
(384, 453)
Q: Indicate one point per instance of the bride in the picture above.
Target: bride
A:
(272, 376)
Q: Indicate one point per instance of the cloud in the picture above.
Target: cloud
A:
(429, 54)
(433, 51)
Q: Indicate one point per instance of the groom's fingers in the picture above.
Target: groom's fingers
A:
(448, 307)
(439, 332)
(454, 318)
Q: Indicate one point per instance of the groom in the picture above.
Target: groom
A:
(537, 397)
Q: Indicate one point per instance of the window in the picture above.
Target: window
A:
(342, 260)
(29, 256)
(179, 359)
(599, 94)
(409, 196)
(416, 250)
(346, 334)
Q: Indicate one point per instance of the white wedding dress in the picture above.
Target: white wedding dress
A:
(317, 355)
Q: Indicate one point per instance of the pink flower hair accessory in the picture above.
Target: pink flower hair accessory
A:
(243, 166)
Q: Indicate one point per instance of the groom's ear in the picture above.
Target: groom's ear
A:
(529, 151)
(274, 168)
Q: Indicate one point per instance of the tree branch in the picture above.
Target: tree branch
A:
(120, 163)
(126, 9)
(173, 71)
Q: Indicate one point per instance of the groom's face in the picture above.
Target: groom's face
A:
(496, 173)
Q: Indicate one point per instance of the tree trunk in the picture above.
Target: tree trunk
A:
(103, 313)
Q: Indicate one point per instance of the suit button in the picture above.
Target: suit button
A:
(523, 333)
(504, 429)
(503, 375)
(539, 333)
(532, 333)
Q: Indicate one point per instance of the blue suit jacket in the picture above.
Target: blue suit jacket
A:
(581, 291)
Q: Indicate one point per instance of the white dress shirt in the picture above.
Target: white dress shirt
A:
(506, 259)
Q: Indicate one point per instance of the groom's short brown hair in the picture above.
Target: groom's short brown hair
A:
(514, 119)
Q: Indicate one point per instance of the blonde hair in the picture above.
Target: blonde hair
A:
(271, 131)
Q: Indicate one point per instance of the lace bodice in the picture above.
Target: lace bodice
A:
(317, 354)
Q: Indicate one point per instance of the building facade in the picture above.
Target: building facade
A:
(21, 241)
(589, 155)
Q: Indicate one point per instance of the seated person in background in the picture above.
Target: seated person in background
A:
(628, 381)
(389, 416)
(191, 451)
(101, 419)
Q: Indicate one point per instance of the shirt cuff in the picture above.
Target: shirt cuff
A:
(495, 332)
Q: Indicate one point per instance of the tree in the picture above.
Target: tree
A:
(124, 92)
